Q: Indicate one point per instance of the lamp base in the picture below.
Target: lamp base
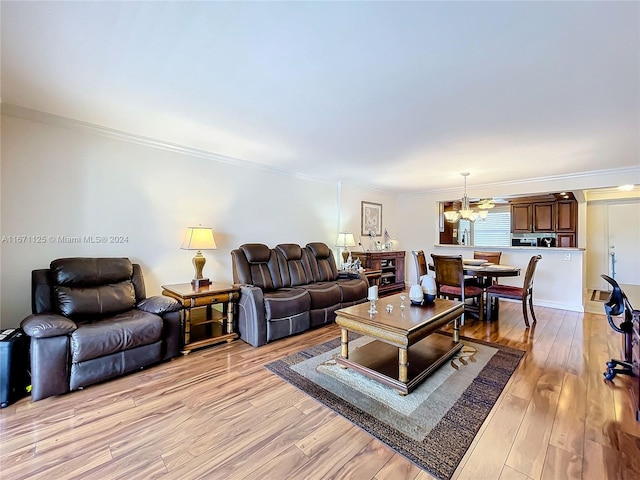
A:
(196, 283)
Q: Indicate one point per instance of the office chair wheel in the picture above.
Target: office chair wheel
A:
(609, 375)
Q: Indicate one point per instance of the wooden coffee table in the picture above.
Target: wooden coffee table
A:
(407, 347)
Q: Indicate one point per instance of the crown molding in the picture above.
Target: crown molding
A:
(635, 171)
(108, 132)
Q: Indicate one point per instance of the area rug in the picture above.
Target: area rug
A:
(434, 425)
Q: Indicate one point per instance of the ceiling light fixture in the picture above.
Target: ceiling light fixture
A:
(465, 213)
(486, 204)
(626, 188)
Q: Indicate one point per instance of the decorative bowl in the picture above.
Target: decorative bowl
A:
(473, 261)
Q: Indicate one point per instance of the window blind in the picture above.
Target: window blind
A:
(495, 230)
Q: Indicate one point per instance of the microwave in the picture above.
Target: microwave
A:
(524, 242)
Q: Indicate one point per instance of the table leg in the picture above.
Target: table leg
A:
(403, 363)
(228, 312)
(187, 331)
(456, 330)
(344, 344)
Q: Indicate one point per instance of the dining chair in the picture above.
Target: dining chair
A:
(421, 263)
(450, 284)
(524, 293)
(492, 257)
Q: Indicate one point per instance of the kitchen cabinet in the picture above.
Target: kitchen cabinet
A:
(566, 216)
(558, 217)
(521, 214)
(544, 218)
(565, 240)
(533, 217)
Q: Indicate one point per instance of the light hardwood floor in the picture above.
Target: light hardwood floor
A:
(219, 414)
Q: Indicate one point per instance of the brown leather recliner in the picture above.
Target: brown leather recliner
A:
(290, 289)
(92, 321)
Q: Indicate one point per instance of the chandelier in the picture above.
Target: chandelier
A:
(465, 212)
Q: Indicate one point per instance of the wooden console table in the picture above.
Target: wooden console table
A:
(215, 325)
(391, 264)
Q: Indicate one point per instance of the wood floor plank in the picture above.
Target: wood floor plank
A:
(397, 468)
(218, 413)
(529, 448)
(568, 426)
(509, 473)
(560, 463)
(489, 455)
(366, 463)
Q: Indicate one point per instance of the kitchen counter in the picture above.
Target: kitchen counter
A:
(559, 275)
(489, 249)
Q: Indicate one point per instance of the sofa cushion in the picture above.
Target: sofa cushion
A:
(256, 264)
(97, 300)
(287, 312)
(353, 290)
(321, 261)
(290, 262)
(87, 272)
(323, 294)
(286, 302)
(120, 332)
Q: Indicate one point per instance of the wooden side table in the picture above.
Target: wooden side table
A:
(216, 326)
(372, 275)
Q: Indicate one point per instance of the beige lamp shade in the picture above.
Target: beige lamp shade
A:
(345, 240)
(199, 238)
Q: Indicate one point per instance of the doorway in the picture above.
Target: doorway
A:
(624, 242)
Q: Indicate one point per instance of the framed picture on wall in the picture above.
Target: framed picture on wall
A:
(371, 218)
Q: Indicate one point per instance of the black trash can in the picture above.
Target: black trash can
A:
(15, 375)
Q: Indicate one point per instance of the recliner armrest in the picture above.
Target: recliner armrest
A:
(159, 305)
(349, 274)
(43, 325)
(252, 324)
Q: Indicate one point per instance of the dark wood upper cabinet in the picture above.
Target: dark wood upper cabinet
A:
(544, 219)
(521, 217)
(558, 216)
(566, 216)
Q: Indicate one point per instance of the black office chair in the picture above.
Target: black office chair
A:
(617, 305)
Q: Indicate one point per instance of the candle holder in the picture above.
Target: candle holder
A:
(372, 306)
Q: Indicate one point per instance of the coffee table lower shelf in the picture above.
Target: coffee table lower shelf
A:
(379, 361)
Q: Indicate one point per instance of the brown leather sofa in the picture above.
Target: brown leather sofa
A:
(92, 321)
(290, 289)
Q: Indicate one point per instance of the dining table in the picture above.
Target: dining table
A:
(488, 272)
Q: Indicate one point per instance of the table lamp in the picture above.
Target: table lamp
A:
(199, 238)
(346, 240)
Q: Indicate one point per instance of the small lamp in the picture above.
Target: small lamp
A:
(345, 240)
(199, 238)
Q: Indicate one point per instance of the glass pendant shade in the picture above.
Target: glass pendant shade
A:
(466, 213)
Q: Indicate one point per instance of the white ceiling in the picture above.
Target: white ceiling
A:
(398, 96)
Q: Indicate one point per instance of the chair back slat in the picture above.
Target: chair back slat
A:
(531, 270)
(421, 263)
(493, 257)
(448, 270)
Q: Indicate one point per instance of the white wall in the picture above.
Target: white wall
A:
(61, 180)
